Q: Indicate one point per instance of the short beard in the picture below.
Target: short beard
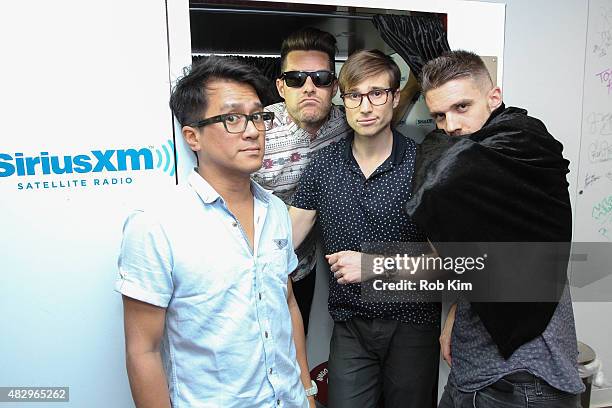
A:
(312, 120)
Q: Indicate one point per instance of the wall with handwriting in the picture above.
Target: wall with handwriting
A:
(594, 190)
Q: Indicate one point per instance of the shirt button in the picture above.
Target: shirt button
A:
(266, 334)
(234, 224)
(259, 295)
(277, 402)
(270, 371)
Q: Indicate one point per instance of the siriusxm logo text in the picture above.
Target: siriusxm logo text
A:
(96, 162)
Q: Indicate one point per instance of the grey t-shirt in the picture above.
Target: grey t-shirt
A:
(552, 356)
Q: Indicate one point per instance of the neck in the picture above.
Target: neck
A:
(311, 128)
(374, 147)
(233, 187)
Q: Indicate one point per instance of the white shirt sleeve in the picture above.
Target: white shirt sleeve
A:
(145, 261)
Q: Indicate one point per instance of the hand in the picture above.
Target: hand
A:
(311, 402)
(346, 266)
(445, 336)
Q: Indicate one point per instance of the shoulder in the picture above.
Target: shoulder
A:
(408, 142)
(278, 211)
(332, 150)
(328, 155)
(279, 109)
(337, 112)
(337, 120)
(516, 117)
(276, 203)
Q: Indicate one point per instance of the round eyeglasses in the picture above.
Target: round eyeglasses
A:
(237, 122)
(376, 97)
(297, 79)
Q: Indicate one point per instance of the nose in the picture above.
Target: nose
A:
(251, 132)
(309, 86)
(365, 106)
(453, 125)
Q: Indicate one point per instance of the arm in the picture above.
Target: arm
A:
(299, 339)
(445, 336)
(346, 267)
(144, 326)
(301, 223)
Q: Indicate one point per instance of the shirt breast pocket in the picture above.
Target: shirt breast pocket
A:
(276, 264)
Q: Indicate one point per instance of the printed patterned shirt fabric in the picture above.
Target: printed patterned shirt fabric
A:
(289, 149)
(552, 356)
(227, 339)
(353, 211)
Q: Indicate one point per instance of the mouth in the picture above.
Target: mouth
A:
(309, 101)
(366, 121)
(252, 149)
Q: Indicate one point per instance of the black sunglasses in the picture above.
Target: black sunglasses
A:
(296, 79)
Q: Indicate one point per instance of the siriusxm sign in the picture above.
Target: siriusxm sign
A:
(96, 162)
(50, 166)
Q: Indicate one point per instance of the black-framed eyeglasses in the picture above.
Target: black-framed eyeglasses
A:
(376, 97)
(296, 79)
(237, 122)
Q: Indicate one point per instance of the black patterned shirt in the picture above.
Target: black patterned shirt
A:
(353, 210)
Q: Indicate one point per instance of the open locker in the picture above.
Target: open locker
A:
(254, 31)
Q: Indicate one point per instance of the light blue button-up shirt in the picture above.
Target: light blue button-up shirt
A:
(228, 335)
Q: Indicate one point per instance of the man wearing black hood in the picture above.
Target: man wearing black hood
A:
(494, 174)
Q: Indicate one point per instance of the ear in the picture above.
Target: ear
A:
(280, 87)
(192, 137)
(334, 88)
(396, 98)
(494, 98)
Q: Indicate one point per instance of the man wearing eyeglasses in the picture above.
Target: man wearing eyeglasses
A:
(304, 123)
(357, 189)
(210, 316)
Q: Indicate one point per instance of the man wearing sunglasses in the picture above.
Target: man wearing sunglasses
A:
(357, 189)
(210, 316)
(304, 123)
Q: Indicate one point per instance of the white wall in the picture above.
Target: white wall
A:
(544, 73)
(76, 76)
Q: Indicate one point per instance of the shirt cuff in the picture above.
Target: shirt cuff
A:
(132, 290)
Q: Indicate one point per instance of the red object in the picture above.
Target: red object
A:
(319, 376)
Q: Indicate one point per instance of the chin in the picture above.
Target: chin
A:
(253, 167)
(312, 118)
(368, 131)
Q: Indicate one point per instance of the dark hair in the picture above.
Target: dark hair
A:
(367, 63)
(453, 65)
(309, 39)
(189, 98)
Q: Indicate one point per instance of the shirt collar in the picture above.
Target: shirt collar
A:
(397, 150)
(209, 195)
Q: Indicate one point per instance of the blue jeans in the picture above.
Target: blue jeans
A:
(514, 391)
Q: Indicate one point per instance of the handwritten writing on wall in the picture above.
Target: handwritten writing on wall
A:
(605, 77)
(593, 203)
(600, 123)
(602, 213)
(603, 34)
(600, 151)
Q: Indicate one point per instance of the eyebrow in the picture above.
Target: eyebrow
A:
(372, 88)
(455, 105)
(462, 102)
(234, 105)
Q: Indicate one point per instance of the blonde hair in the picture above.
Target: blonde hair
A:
(365, 64)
